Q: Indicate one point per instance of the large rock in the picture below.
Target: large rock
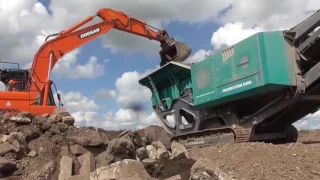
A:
(162, 154)
(41, 122)
(104, 136)
(101, 159)
(55, 118)
(77, 150)
(152, 152)
(84, 137)
(20, 120)
(178, 151)
(25, 114)
(125, 170)
(142, 153)
(65, 168)
(119, 149)
(5, 147)
(46, 172)
(87, 162)
(204, 169)
(135, 138)
(157, 133)
(18, 141)
(68, 120)
(31, 131)
(158, 145)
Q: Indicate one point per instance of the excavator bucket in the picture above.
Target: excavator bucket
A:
(174, 51)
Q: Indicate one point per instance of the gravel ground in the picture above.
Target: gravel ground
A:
(264, 161)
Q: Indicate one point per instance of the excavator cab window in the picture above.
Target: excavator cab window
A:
(11, 87)
(50, 102)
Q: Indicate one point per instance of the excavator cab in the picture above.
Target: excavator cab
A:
(14, 79)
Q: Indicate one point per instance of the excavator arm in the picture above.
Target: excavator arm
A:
(68, 40)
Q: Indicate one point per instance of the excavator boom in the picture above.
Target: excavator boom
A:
(68, 40)
(36, 96)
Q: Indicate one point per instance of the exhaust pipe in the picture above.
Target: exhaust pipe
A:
(172, 50)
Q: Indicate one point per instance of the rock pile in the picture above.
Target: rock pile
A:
(51, 148)
(47, 147)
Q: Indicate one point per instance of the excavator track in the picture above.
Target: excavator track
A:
(214, 137)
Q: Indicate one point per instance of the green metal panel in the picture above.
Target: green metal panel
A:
(277, 58)
(167, 83)
(260, 63)
(263, 60)
(203, 82)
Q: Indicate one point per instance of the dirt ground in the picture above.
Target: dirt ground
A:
(267, 161)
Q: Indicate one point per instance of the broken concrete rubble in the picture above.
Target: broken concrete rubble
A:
(87, 162)
(157, 133)
(205, 169)
(45, 172)
(78, 150)
(84, 137)
(152, 152)
(79, 177)
(176, 177)
(68, 120)
(126, 169)
(53, 141)
(178, 151)
(119, 149)
(55, 118)
(49, 149)
(20, 120)
(135, 138)
(32, 153)
(65, 168)
(142, 153)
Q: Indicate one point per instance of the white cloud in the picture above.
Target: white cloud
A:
(122, 119)
(237, 24)
(198, 56)
(68, 67)
(75, 101)
(105, 94)
(302, 124)
(129, 90)
(85, 112)
(315, 117)
(269, 14)
(230, 34)
(128, 119)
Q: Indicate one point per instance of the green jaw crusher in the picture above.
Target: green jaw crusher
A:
(252, 91)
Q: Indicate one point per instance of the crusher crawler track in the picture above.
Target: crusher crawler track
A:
(211, 137)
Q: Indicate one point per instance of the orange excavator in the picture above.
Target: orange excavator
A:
(30, 90)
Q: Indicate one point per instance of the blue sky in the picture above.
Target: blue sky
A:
(205, 27)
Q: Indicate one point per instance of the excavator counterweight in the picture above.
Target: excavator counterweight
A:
(30, 90)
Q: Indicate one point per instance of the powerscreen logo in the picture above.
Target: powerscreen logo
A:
(244, 62)
(89, 33)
